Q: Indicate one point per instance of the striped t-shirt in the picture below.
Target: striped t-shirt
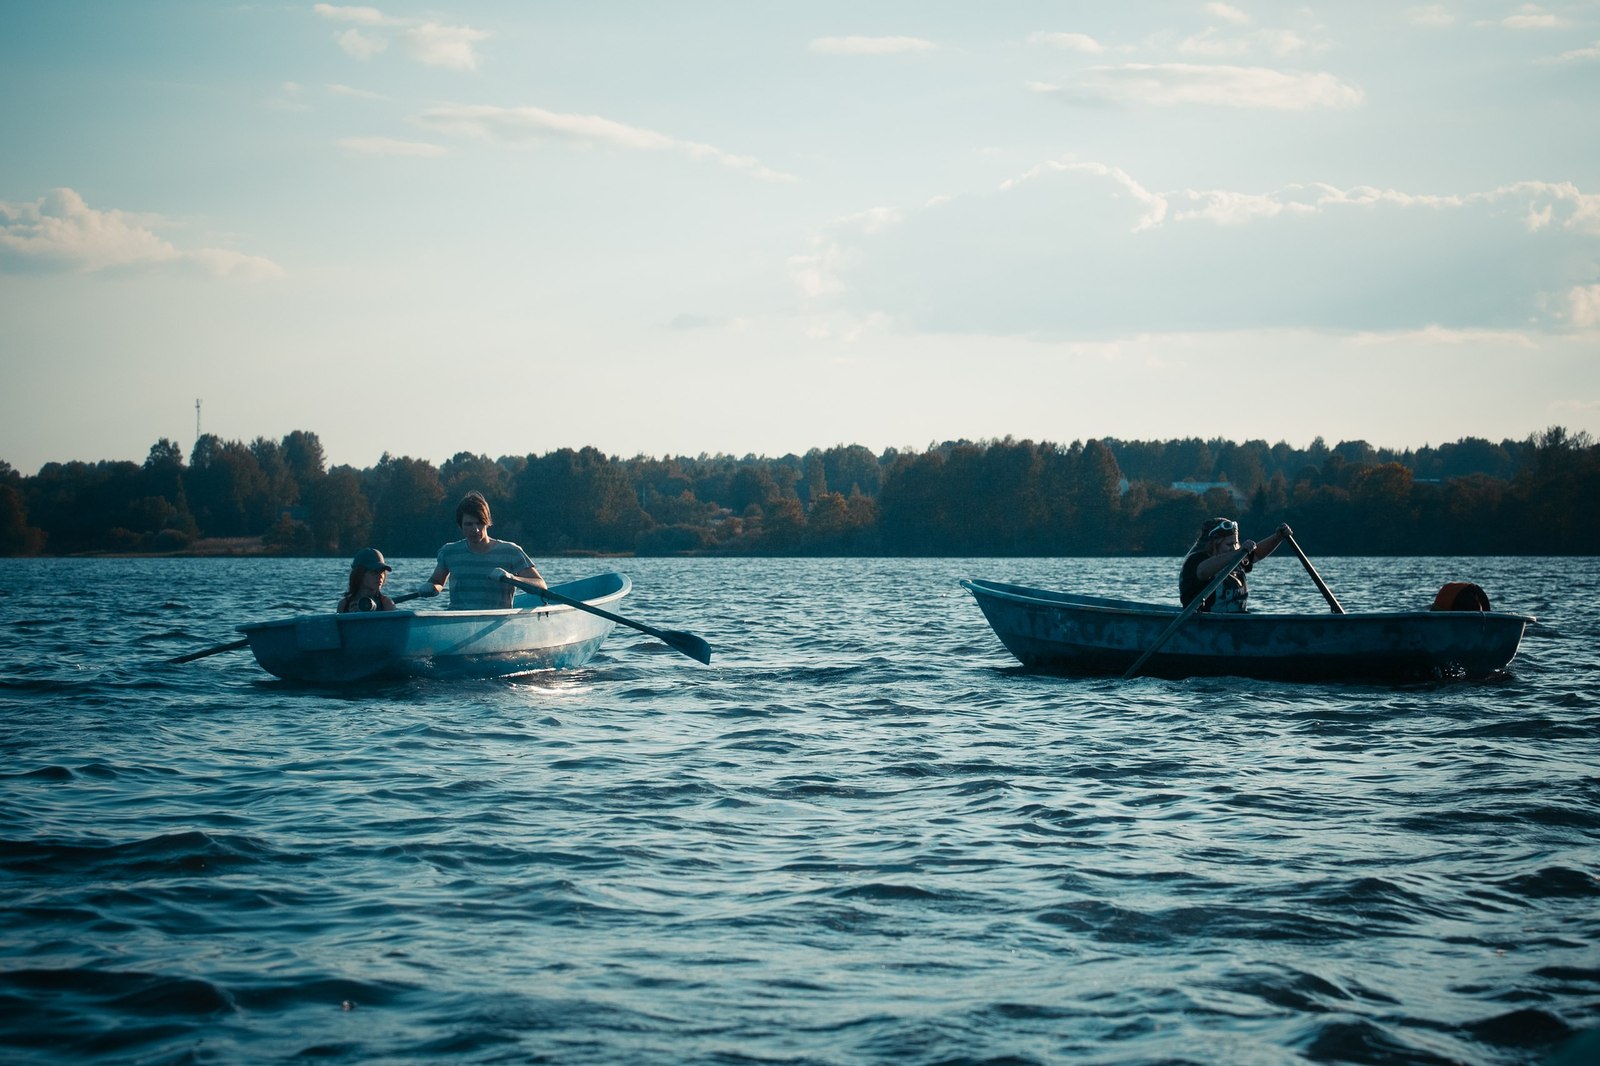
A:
(473, 586)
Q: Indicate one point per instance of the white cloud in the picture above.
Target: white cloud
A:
(366, 16)
(1532, 17)
(1154, 205)
(1073, 248)
(1211, 44)
(1584, 306)
(1578, 212)
(875, 219)
(871, 46)
(358, 45)
(530, 124)
(1228, 13)
(1214, 44)
(815, 273)
(430, 43)
(1581, 210)
(1578, 54)
(290, 98)
(1436, 336)
(61, 231)
(390, 146)
(1435, 16)
(1230, 208)
(1071, 42)
(445, 46)
(1176, 84)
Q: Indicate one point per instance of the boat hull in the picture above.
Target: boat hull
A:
(347, 648)
(1063, 633)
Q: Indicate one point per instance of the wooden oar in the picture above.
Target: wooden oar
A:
(688, 643)
(244, 642)
(1194, 605)
(233, 645)
(1327, 593)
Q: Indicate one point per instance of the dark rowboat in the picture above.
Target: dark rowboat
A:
(344, 648)
(1059, 632)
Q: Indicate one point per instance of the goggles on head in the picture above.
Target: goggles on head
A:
(1227, 525)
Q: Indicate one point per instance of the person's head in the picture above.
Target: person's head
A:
(368, 568)
(1218, 535)
(474, 507)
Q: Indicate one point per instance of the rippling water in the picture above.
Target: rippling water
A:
(861, 835)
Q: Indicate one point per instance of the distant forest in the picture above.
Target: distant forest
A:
(986, 498)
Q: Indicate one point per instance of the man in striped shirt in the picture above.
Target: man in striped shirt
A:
(469, 564)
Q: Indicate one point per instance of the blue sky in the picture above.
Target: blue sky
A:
(675, 228)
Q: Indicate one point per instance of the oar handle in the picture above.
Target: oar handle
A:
(687, 643)
(1194, 605)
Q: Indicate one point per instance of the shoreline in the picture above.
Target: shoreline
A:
(256, 548)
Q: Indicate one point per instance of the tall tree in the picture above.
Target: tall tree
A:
(339, 514)
(816, 479)
(851, 467)
(302, 452)
(1384, 512)
(407, 516)
(277, 490)
(465, 472)
(1099, 499)
(223, 480)
(578, 499)
(17, 537)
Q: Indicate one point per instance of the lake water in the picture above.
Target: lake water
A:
(861, 835)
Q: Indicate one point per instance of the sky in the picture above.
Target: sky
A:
(745, 227)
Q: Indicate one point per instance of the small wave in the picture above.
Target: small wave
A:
(192, 851)
(1525, 1028)
(126, 992)
(289, 990)
(1360, 1040)
(43, 773)
(1109, 922)
(1553, 882)
(878, 890)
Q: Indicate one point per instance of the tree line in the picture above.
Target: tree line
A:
(971, 498)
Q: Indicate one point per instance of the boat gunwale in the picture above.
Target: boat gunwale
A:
(616, 592)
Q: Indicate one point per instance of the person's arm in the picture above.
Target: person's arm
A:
(528, 572)
(1211, 567)
(441, 574)
(385, 603)
(531, 572)
(1269, 544)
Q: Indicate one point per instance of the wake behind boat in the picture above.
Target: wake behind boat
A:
(1060, 632)
(533, 635)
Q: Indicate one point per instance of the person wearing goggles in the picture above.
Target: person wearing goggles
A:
(1217, 543)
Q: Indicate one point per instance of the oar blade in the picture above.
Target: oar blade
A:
(689, 644)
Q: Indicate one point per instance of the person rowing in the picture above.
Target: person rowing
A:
(470, 564)
(1218, 542)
